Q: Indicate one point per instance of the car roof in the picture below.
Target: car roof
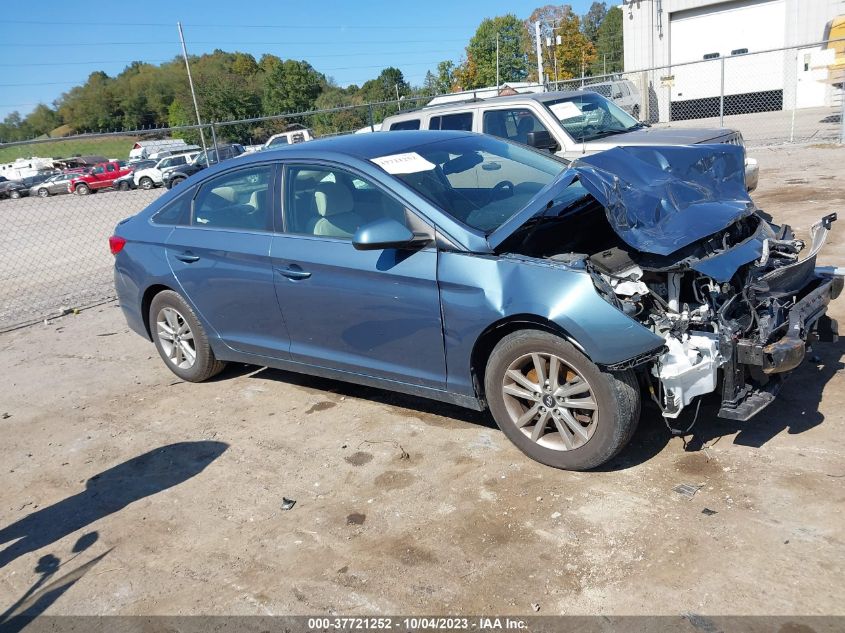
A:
(541, 97)
(362, 146)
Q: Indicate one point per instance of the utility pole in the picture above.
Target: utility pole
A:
(539, 52)
(191, 83)
(497, 63)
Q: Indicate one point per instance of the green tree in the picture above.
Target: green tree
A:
(445, 78)
(42, 120)
(291, 86)
(592, 20)
(609, 48)
(479, 69)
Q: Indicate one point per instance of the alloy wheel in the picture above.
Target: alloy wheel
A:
(176, 338)
(549, 401)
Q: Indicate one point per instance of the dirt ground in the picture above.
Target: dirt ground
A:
(126, 491)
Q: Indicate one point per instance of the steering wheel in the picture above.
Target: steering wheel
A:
(499, 188)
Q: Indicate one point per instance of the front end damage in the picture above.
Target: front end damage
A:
(670, 238)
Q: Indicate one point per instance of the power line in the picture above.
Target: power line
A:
(217, 43)
(105, 61)
(162, 61)
(320, 27)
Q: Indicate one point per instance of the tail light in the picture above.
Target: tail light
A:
(116, 244)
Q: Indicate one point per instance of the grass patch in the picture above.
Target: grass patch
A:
(109, 146)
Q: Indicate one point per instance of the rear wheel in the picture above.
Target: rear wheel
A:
(557, 406)
(43, 193)
(146, 183)
(175, 182)
(123, 186)
(83, 189)
(14, 195)
(181, 340)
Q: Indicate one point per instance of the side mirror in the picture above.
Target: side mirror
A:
(541, 140)
(386, 233)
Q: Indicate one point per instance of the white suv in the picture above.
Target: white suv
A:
(151, 177)
(569, 124)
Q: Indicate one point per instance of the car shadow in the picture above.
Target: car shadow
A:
(106, 493)
(382, 396)
(795, 410)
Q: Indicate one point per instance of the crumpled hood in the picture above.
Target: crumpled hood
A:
(658, 199)
(664, 136)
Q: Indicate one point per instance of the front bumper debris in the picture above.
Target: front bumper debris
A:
(807, 321)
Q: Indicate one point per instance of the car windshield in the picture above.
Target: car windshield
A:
(479, 180)
(589, 116)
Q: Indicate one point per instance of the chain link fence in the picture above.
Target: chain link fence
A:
(54, 254)
(788, 95)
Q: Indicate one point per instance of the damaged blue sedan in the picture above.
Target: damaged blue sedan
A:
(476, 271)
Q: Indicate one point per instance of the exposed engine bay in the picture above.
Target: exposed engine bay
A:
(737, 307)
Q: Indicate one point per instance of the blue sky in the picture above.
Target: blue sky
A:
(47, 48)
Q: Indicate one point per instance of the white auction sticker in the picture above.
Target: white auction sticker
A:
(408, 163)
(565, 110)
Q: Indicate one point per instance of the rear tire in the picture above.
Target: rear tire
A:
(82, 189)
(123, 186)
(14, 195)
(180, 339)
(570, 437)
(43, 193)
(176, 181)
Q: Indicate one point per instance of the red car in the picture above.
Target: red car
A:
(101, 177)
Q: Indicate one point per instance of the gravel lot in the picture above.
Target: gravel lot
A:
(135, 493)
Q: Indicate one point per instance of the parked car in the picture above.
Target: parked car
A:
(102, 176)
(150, 177)
(570, 124)
(172, 176)
(477, 271)
(54, 185)
(13, 189)
(623, 92)
(288, 138)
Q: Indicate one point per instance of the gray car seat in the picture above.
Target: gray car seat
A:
(336, 210)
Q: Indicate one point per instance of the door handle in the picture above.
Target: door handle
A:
(188, 257)
(293, 272)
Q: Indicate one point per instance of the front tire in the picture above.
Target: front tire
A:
(175, 182)
(557, 406)
(14, 195)
(43, 193)
(123, 186)
(180, 339)
(146, 183)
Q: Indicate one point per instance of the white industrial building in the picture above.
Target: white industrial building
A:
(722, 36)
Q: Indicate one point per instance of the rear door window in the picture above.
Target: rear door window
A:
(461, 122)
(410, 124)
